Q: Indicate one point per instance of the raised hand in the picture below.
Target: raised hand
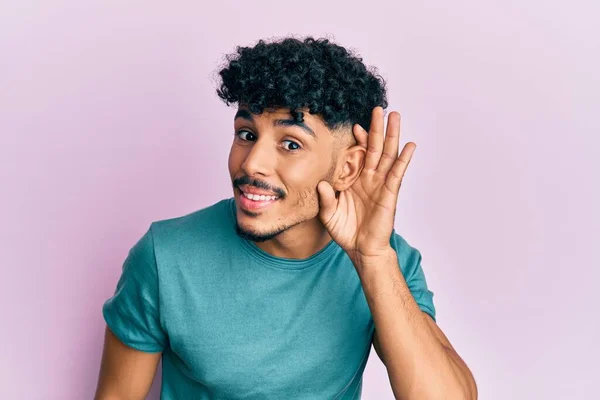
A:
(361, 218)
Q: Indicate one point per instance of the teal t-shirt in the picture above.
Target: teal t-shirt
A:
(234, 322)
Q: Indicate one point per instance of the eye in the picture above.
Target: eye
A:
(246, 135)
(290, 145)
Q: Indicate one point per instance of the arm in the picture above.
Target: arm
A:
(421, 362)
(358, 210)
(134, 337)
(125, 373)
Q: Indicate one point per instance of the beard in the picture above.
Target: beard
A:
(258, 237)
(308, 202)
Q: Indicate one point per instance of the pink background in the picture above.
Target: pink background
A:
(109, 120)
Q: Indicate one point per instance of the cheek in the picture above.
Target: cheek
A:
(308, 197)
(304, 176)
(235, 160)
(303, 182)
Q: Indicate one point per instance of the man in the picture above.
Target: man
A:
(279, 292)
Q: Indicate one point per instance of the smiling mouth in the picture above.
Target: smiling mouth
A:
(259, 197)
(252, 203)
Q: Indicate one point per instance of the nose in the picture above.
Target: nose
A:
(260, 159)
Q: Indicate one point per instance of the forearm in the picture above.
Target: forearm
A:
(418, 364)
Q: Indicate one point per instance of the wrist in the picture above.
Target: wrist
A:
(373, 258)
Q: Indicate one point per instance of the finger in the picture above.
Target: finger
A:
(394, 178)
(390, 147)
(327, 201)
(360, 135)
(375, 140)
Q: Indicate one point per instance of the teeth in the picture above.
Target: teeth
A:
(257, 197)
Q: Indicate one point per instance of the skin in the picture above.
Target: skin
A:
(292, 161)
(351, 200)
(125, 373)
(334, 185)
(420, 361)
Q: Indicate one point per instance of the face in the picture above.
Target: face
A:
(275, 164)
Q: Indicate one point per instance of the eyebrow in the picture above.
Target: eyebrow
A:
(245, 114)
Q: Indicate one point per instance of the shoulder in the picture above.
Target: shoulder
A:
(409, 259)
(211, 221)
(402, 247)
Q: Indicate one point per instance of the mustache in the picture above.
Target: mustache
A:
(245, 180)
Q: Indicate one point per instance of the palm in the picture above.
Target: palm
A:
(361, 218)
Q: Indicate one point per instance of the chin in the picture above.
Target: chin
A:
(255, 234)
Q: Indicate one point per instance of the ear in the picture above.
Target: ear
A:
(353, 162)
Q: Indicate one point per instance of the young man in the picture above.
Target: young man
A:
(278, 292)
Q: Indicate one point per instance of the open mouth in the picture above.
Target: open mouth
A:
(259, 197)
(255, 201)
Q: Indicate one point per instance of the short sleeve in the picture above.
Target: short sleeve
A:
(409, 259)
(132, 313)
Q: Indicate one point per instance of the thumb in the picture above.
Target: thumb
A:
(327, 201)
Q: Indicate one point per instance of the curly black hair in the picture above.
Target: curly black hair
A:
(314, 74)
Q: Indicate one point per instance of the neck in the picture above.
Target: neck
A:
(299, 242)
